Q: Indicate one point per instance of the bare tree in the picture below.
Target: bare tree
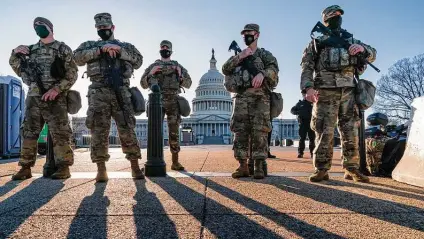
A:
(397, 89)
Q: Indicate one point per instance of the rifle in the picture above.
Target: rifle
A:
(114, 79)
(338, 42)
(32, 71)
(247, 62)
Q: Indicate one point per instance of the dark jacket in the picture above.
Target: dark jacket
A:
(303, 109)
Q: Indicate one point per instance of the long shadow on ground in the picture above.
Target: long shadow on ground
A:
(90, 220)
(9, 186)
(157, 225)
(372, 207)
(237, 225)
(20, 206)
(410, 189)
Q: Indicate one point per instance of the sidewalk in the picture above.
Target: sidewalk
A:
(205, 202)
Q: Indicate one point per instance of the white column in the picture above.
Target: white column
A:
(220, 129)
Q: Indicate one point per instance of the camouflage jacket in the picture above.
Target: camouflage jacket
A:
(167, 77)
(86, 53)
(43, 55)
(333, 67)
(267, 65)
(374, 151)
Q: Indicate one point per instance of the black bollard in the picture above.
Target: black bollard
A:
(155, 165)
(362, 150)
(50, 164)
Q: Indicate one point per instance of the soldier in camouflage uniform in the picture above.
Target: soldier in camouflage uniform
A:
(170, 76)
(251, 120)
(374, 150)
(104, 102)
(50, 107)
(332, 91)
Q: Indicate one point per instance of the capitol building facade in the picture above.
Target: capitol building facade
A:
(209, 122)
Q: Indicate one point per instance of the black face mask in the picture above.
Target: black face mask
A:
(165, 53)
(42, 31)
(249, 39)
(335, 22)
(105, 34)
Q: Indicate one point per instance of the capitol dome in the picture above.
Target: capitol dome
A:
(211, 95)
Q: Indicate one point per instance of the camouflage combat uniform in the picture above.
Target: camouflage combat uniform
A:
(334, 80)
(374, 149)
(103, 102)
(170, 85)
(251, 120)
(54, 113)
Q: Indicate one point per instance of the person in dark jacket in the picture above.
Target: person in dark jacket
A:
(303, 110)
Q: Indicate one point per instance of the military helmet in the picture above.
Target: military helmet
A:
(329, 12)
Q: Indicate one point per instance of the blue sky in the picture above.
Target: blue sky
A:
(394, 28)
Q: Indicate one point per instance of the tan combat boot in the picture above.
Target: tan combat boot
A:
(175, 164)
(319, 175)
(135, 170)
(242, 171)
(61, 173)
(357, 176)
(24, 173)
(259, 169)
(347, 175)
(101, 172)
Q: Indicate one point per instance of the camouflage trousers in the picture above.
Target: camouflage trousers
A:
(335, 105)
(55, 114)
(173, 117)
(102, 106)
(374, 150)
(251, 124)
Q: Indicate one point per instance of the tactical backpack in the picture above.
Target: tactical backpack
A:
(184, 106)
(365, 94)
(137, 101)
(276, 104)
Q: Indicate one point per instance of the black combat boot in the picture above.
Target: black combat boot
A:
(251, 166)
(300, 155)
(242, 171)
(101, 172)
(48, 172)
(319, 175)
(353, 173)
(259, 169)
(49, 168)
(271, 156)
(135, 170)
(62, 173)
(175, 164)
(23, 173)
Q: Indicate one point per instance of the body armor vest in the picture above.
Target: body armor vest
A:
(44, 56)
(167, 78)
(334, 58)
(96, 69)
